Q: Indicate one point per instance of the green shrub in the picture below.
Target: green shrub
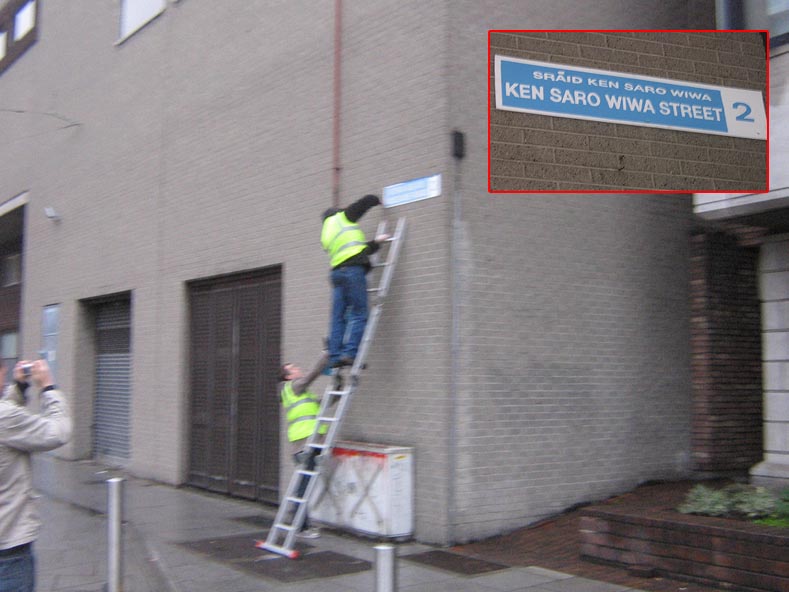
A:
(780, 515)
(753, 502)
(782, 505)
(736, 499)
(706, 501)
(776, 522)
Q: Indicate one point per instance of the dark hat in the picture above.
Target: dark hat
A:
(330, 212)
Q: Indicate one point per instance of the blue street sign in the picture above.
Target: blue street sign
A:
(413, 190)
(584, 93)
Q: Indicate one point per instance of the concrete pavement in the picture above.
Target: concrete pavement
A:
(183, 540)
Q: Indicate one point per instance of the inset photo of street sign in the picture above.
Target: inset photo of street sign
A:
(601, 95)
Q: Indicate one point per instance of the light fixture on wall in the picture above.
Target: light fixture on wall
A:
(52, 214)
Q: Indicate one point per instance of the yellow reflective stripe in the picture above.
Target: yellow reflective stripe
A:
(332, 243)
(300, 426)
(348, 245)
(307, 399)
(332, 228)
(340, 230)
(341, 247)
(304, 411)
(292, 401)
(302, 418)
(338, 246)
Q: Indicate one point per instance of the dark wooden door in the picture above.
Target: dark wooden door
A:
(234, 415)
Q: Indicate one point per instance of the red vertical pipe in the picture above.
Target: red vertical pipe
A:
(337, 103)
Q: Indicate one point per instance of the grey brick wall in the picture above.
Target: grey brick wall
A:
(576, 360)
(575, 316)
(539, 152)
(394, 129)
(202, 146)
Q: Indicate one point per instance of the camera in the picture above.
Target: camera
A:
(27, 370)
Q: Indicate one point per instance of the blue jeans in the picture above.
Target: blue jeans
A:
(349, 311)
(17, 570)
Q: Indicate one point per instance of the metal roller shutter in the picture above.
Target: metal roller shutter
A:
(113, 380)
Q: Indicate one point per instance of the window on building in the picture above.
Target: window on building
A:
(10, 270)
(50, 323)
(8, 351)
(18, 29)
(25, 20)
(759, 15)
(778, 22)
(137, 13)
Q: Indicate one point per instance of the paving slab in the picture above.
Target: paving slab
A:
(184, 540)
(452, 562)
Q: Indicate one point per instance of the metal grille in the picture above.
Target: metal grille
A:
(234, 418)
(113, 380)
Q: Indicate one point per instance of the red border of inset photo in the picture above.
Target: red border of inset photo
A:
(766, 96)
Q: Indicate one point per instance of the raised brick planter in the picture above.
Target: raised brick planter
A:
(739, 555)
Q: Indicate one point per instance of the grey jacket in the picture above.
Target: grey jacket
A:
(23, 432)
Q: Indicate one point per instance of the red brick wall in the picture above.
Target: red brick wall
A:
(726, 354)
(696, 548)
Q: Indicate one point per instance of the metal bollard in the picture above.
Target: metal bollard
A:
(385, 569)
(114, 535)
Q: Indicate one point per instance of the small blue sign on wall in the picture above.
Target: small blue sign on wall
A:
(413, 190)
(584, 93)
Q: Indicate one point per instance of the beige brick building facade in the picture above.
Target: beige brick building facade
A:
(535, 348)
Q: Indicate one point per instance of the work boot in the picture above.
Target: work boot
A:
(343, 362)
(309, 533)
(303, 456)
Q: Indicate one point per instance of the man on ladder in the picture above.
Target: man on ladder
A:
(349, 258)
(301, 413)
(341, 237)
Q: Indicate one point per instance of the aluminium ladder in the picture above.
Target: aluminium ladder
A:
(293, 508)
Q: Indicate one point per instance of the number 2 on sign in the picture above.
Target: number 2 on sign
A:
(746, 111)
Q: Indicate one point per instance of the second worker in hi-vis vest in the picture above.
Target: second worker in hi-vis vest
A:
(301, 413)
(349, 253)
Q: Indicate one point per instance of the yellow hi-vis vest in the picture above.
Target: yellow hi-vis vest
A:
(341, 238)
(301, 413)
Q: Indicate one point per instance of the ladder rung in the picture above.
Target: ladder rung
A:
(318, 446)
(379, 264)
(373, 289)
(306, 472)
(281, 526)
(328, 419)
(282, 550)
(296, 500)
(338, 393)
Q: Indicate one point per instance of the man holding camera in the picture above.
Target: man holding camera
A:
(23, 432)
